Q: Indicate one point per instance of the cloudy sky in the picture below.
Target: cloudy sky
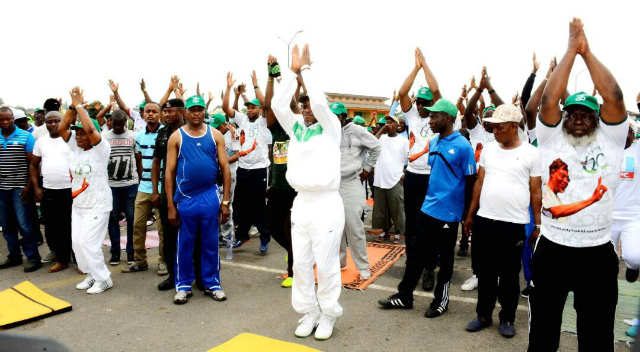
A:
(360, 47)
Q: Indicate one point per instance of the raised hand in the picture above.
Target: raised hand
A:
(296, 63)
(198, 89)
(419, 58)
(552, 66)
(536, 63)
(516, 99)
(179, 91)
(577, 38)
(483, 78)
(143, 86)
(113, 86)
(464, 91)
(241, 89)
(473, 84)
(173, 84)
(305, 58)
(210, 96)
(230, 81)
(77, 97)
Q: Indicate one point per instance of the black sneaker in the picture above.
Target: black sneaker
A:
(428, 280)
(526, 292)
(507, 329)
(395, 302)
(478, 324)
(32, 265)
(10, 263)
(632, 274)
(167, 284)
(434, 312)
(115, 260)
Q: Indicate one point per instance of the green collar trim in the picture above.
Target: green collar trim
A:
(304, 134)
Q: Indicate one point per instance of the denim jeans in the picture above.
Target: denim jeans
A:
(123, 201)
(14, 216)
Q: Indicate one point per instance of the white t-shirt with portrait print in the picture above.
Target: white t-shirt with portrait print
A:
(89, 176)
(601, 158)
(420, 131)
(505, 192)
(247, 132)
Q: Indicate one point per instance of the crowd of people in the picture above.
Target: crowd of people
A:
(546, 182)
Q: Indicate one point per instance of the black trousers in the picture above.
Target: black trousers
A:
(279, 203)
(170, 234)
(249, 207)
(436, 237)
(415, 190)
(56, 206)
(497, 247)
(591, 273)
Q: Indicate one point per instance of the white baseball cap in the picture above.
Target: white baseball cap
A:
(18, 114)
(505, 113)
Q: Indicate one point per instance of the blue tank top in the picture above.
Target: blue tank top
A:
(197, 168)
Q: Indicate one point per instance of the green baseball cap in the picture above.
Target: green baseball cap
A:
(370, 129)
(424, 93)
(255, 102)
(338, 108)
(584, 99)
(382, 120)
(142, 105)
(216, 120)
(445, 106)
(78, 125)
(359, 120)
(487, 109)
(195, 100)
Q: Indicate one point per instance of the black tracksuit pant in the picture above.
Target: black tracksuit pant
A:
(249, 207)
(497, 247)
(56, 206)
(591, 274)
(279, 203)
(435, 237)
(415, 190)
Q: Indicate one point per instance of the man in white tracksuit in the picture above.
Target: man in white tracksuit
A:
(317, 215)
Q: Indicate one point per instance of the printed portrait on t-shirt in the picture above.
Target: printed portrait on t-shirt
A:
(552, 204)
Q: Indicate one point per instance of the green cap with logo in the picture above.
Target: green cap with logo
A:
(382, 120)
(217, 119)
(584, 99)
(255, 102)
(338, 108)
(424, 93)
(445, 106)
(78, 125)
(195, 100)
(142, 105)
(359, 120)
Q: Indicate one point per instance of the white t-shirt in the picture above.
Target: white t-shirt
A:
(505, 191)
(139, 124)
(40, 131)
(89, 172)
(248, 132)
(419, 131)
(590, 226)
(56, 158)
(627, 199)
(393, 156)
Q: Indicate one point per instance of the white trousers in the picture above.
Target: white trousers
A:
(628, 232)
(317, 221)
(88, 230)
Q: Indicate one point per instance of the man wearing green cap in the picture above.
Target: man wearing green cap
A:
(196, 157)
(92, 200)
(359, 151)
(574, 249)
(453, 171)
(251, 177)
(417, 173)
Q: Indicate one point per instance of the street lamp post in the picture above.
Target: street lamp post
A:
(289, 44)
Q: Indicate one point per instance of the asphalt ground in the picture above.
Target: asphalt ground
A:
(135, 316)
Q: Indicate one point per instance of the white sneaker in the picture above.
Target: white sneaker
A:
(325, 327)
(100, 286)
(307, 323)
(162, 269)
(86, 283)
(471, 284)
(253, 231)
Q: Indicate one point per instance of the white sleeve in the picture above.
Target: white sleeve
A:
(483, 156)
(103, 148)
(405, 151)
(280, 103)
(545, 133)
(241, 119)
(327, 119)
(535, 169)
(36, 148)
(476, 133)
(138, 122)
(616, 134)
